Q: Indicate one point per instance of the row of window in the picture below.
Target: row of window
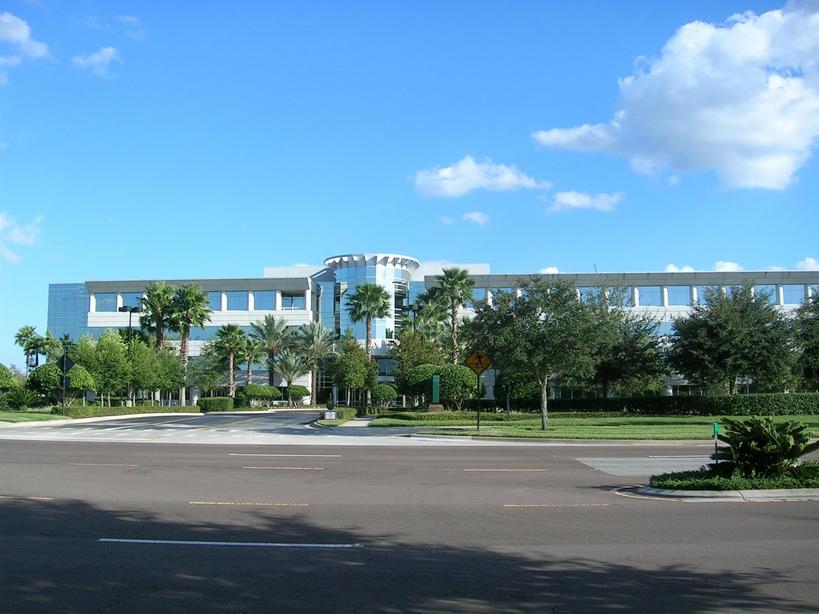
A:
(263, 300)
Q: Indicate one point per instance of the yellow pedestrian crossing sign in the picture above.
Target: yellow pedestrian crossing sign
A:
(478, 361)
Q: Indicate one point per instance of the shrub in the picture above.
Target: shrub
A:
(346, 413)
(260, 395)
(20, 399)
(383, 395)
(418, 380)
(296, 393)
(759, 447)
(458, 383)
(90, 411)
(46, 380)
(207, 404)
(7, 379)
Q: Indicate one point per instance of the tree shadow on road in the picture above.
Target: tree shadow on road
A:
(51, 560)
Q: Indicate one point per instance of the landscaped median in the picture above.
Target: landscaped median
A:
(568, 425)
(343, 414)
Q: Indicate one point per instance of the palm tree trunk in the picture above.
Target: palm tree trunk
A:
(183, 357)
(369, 338)
(544, 403)
(313, 386)
(249, 372)
(453, 354)
(231, 377)
(160, 336)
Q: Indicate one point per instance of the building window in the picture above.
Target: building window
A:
(769, 292)
(677, 295)
(264, 300)
(131, 299)
(650, 296)
(664, 329)
(793, 295)
(479, 294)
(237, 301)
(291, 302)
(386, 367)
(814, 289)
(619, 296)
(107, 302)
(588, 295)
(703, 292)
(215, 301)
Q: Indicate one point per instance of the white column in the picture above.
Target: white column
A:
(251, 301)
(223, 302)
(780, 295)
(488, 296)
(120, 302)
(694, 297)
(307, 304)
(92, 303)
(277, 300)
(635, 296)
(664, 296)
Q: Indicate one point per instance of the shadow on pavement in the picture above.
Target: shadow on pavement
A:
(51, 561)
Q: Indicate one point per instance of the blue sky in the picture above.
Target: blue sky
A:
(158, 140)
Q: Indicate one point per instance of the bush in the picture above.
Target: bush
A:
(20, 399)
(346, 413)
(260, 395)
(383, 395)
(207, 404)
(295, 394)
(458, 383)
(46, 380)
(418, 380)
(7, 379)
(804, 476)
(89, 411)
(759, 447)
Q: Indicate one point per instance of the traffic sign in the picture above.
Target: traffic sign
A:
(478, 361)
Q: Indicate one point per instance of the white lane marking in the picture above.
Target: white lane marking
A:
(181, 542)
(504, 470)
(300, 455)
(289, 468)
(556, 505)
(99, 465)
(248, 503)
(678, 456)
(14, 497)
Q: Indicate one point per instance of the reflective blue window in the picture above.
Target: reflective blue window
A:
(814, 290)
(768, 291)
(703, 293)
(131, 299)
(793, 295)
(107, 302)
(665, 329)
(650, 296)
(678, 295)
(618, 295)
(291, 302)
(236, 301)
(264, 300)
(479, 294)
(590, 294)
(215, 301)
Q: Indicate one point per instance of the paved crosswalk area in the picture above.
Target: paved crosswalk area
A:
(647, 465)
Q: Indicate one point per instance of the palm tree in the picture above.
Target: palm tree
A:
(273, 334)
(455, 289)
(316, 343)
(189, 308)
(369, 301)
(290, 366)
(252, 353)
(157, 311)
(28, 339)
(228, 342)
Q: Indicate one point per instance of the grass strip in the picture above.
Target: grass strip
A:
(28, 416)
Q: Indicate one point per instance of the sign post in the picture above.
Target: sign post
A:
(479, 362)
(716, 449)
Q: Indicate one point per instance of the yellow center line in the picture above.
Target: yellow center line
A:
(556, 504)
(503, 470)
(289, 468)
(99, 465)
(248, 503)
(14, 497)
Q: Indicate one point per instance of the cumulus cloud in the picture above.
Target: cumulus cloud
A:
(99, 61)
(14, 234)
(673, 268)
(739, 98)
(133, 26)
(808, 264)
(16, 34)
(565, 201)
(446, 220)
(549, 270)
(468, 174)
(726, 266)
(476, 217)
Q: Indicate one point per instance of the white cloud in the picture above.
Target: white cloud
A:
(447, 221)
(808, 264)
(476, 217)
(16, 33)
(739, 98)
(467, 175)
(12, 233)
(99, 61)
(133, 26)
(726, 266)
(565, 201)
(673, 268)
(549, 270)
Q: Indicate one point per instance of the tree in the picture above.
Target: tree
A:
(80, 381)
(112, 371)
(413, 348)
(316, 343)
(170, 375)
(157, 311)
(547, 332)
(383, 395)
(806, 328)
(252, 352)
(228, 342)
(275, 336)
(144, 372)
(28, 339)
(205, 371)
(291, 365)
(352, 368)
(734, 334)
(189, 308)
(455, 290)
(7, 379)
(46, 380)
(369, 301)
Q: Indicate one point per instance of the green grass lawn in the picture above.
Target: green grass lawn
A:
(573, 426)
(28, 416)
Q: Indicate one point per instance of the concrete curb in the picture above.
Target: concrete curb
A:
(97, 419)
(557, 441)
(723, 496)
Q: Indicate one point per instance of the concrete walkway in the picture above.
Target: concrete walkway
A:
(363, 421)
(722, 496)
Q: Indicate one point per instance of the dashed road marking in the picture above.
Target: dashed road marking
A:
(24, 498)
(248, 504)
(504, 470)
(99, 465)
(289, 468)
(181, 542)
(300, 455)
(556, 505)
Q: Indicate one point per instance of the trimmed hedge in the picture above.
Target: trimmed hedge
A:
(207, 404)
(296, 393)
(92, 411)
(346, 413)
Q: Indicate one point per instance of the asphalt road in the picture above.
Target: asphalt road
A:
(388, 529)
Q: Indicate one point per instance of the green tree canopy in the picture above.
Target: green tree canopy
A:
(806, 327)
(157, 311)
(275, 336)
(454, 289)
(316, 342)
(47, 381)
(733, 335)
(290, 365)
(369, 301)
(111, 370)
(7, 379)
(229, 342)
(413, 348)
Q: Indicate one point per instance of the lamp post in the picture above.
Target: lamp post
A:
(131, 311)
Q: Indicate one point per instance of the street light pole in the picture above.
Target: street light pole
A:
(131, 311)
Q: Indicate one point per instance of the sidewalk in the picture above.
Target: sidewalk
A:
(721, 496)
(363, 421)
